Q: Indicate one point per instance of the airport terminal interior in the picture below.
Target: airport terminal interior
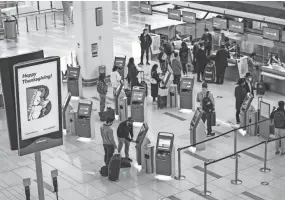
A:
(235, 164)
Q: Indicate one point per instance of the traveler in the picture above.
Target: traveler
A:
(201, 62)
(253, 68)
(109, 143)
(115, 79)
(125, 129)
(176, 68)
(240, 94)
(221, 62)
(154, 81)
(195, 50)
(132, 73)
(278, 116)
(248, 84)
(184, 54)
(207, 102)
(207, 39)
(102, 89)
(146, 41)
(162, 60)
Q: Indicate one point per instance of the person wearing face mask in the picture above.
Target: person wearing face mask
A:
(125, 129)
(248, 84)
(146, 41)
(201, 62)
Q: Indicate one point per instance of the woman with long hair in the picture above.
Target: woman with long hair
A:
(132, 73)
(183, 54)
(154, 82)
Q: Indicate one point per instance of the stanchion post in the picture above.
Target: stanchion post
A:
(236, 181)
(63, 18)
(264, 168)
(27, 24)
(37, 22)
(179, 177)
(235, 145)
(205, 192)
(46, 21)
(54, 19)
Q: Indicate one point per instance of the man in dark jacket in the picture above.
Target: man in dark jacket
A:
(207, 39)
(195, 50)
(248, 84)
(240, 94)
(201, 62)
(125, 129)
(221, 62)
(145, 45)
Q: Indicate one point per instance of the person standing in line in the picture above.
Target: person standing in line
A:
(240, 94)
(102, 89)
(207, 39)
(109, 143)
(125, 129)
(195, 50)
(184, 54)
(155, 80)
(221, 62)
(133, 73)
(207, 103)
(201, 62)
(146, 41)
(115, 80)
(248, 84)
(278, 116)
(176, 68)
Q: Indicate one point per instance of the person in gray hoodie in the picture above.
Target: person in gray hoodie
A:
(176, 68)
(109, 143)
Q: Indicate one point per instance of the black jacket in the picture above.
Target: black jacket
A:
(183, 54)
(240, 94)
(273, 112)
(207, 38)
(201, 60)
(246, 86)
(124, 131)
(145, 41)
(221, 59)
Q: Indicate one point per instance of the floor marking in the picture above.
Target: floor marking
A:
(196, 156)
(253, 155)
(252, 196)
(174, 116)
(199, 168)
(195, 191)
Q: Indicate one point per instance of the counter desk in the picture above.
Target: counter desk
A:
(274, 76)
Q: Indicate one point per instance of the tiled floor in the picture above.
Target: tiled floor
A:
(79, 163)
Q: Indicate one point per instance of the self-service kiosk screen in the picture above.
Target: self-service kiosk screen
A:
(73, 73)
(119, 62)
(84, 110)
(137, 96)
(164, 143)
(186, 84)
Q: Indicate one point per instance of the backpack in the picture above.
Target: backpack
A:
(279, 119)
(207, 104)
(104, 171)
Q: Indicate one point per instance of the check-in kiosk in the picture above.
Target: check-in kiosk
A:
(187, 93)
(165, 154)
(84, 125)
(141, 145)
(264, 114)
(121, 63)
(119, 94)
(138, 104)
(244, 110)
(74, 81)
(197, 130)
(123, 108)
(172, 97)
(102, 70)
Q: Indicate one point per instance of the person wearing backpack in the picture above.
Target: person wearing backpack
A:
(278, 117)
(207, 102)
(102, 89)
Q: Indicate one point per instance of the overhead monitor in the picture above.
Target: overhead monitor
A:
(189, 17)
(237, 27)
(220, 23)
(146, 8)
(271, 34)
(174, 14)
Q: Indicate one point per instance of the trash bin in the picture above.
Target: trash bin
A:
(149, 159)
(10, 27)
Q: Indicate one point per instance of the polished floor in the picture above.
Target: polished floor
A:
(79, 162)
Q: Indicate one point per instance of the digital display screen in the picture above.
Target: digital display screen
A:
(119, 62)
(73, 73)
(186, 84)
(283, 36)
(189, 17)
(237, 27)
(164, 143)
(137, 96)
(271, 34)
(220, 23)
(83, 110)
(146, 8)
(174, 14)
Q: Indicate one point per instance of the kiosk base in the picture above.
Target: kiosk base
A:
(198, 135)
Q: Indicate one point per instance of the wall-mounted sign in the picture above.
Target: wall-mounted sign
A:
(271, 34)
(146, 8)
(174, 14)
(220, 23)
(189, 17)
(237, 27)
(38, 105)
(94, 50)
(99, 16)
(283, 36)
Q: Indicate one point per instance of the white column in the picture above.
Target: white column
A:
(87, 33)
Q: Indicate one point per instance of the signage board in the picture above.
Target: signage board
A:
(174, 14)
(38, 105)
(220, 23)
(271, 34)
(146, 8)
(94, 50)
(283, 36)
(237, 27)
(189, 17)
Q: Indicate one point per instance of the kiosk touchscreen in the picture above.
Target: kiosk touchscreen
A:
(141, 144)
(121, 63)
(187, 93)
(245, 107)
(197, 130)
(165, 154)
(138, 104)
(66, 108)
(74, 81)
(84, 125)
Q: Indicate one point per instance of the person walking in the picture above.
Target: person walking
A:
(115, 79)
(125, 129)
(184, 54)
(154, 82)
(176, 68)
(201, 62)
(207, 103)
(207, 39)
(278, 117)
(221, 62)
(132, 73)
(146, 41)
(102, 89)
(109, 143)
(240, 94)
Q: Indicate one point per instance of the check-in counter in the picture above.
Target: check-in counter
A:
(274, 76)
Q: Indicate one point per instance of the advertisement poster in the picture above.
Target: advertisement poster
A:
(94, 50)
(38, 100)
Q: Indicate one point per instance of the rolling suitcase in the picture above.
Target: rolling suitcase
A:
(213, 118)
(143, 83)
(114, 167)
(104, 171)
(110, 112)
(260, 88)
(209, 74)
(252, 119)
